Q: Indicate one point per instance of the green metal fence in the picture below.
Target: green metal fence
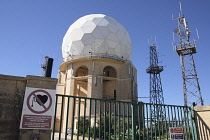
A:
(80, 118)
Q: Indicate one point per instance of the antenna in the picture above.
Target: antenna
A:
(148, 42)
(185, 49)
(156, 92)
(197, 35)
(173, 43)
(180, 7)
(155, 40)
(47, 66)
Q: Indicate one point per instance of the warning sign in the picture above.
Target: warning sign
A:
(177, 137)
(176, 130)
(36, 121)
(39, 101)
(176, 133)
(38, 108)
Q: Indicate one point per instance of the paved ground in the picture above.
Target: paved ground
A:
(68, 137)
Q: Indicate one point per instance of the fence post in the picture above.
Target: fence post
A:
(55, 113)
(194, 128)
(134, 120)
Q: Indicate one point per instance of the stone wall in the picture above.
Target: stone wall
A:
(12, 91)
(202, 119)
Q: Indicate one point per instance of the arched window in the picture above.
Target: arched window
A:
(82, 71)
(109, 72)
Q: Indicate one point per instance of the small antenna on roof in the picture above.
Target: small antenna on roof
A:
(155, 40)
(173, 43)
(148, 42)
(180, 7)
(47, 66)
(197, 34)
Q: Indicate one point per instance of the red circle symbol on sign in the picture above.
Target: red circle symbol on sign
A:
(46, 108)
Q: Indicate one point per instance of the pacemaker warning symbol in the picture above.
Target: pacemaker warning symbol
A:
(39, 101)
(43, 99)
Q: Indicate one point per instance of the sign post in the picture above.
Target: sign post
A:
(176, 133)
(38, 109)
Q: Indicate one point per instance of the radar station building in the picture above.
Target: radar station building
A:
(96, 51)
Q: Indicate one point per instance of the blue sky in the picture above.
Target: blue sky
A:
(32, 29)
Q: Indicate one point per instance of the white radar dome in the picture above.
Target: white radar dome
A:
(96, 35)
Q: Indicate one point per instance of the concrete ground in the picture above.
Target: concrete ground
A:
(68, 137)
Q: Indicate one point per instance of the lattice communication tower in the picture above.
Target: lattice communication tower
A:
(185, 49)
(156, 91)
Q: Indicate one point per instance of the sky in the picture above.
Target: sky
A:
(33, 29)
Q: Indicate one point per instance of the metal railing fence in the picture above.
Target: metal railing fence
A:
(202, 128)
(81, 118)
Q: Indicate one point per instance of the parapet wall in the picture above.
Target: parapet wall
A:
(202, 119)
(12, 91)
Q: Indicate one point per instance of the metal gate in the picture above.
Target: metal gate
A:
(80, 118)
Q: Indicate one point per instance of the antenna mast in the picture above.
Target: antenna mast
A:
(185, 50)
(47, 67)
(156, 92)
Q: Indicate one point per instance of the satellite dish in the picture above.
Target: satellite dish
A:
(176, 30)
(182, 34)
